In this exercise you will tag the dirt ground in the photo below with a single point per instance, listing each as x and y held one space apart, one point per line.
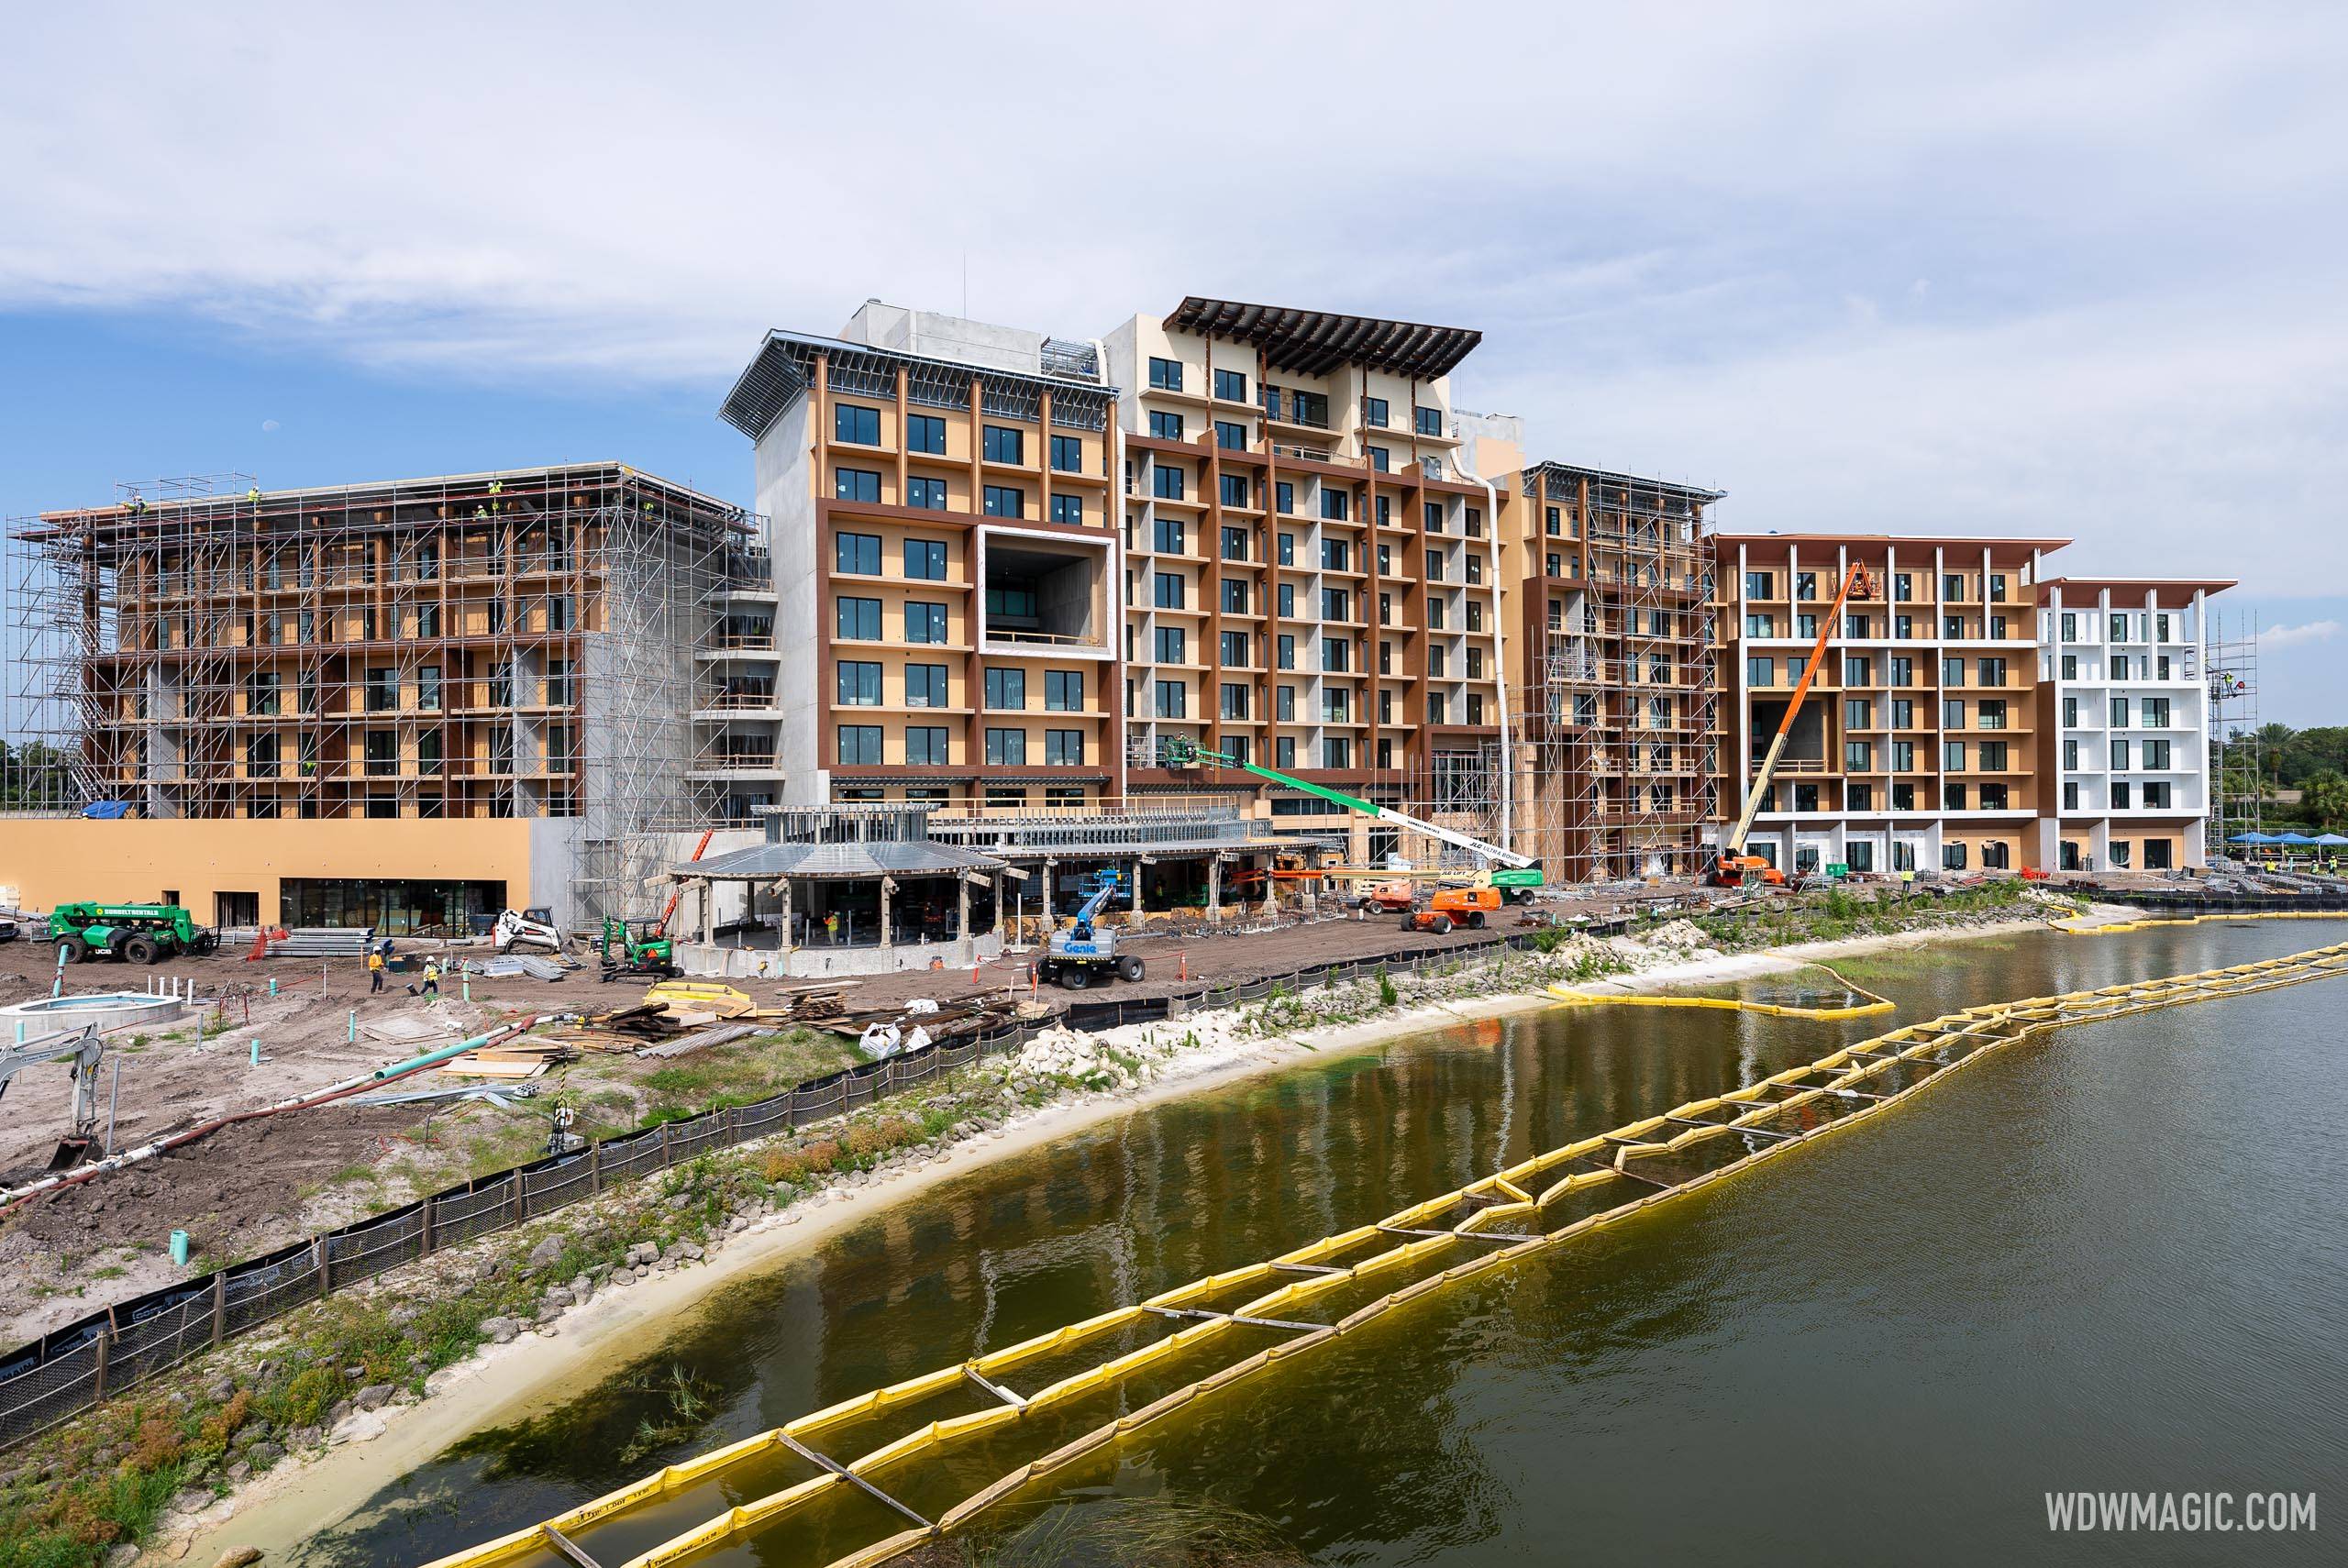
258 1185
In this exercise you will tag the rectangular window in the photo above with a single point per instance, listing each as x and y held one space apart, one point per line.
1287 650
1952 586
1173 699
1760 671
1336 554
428 687
1430 421
856 484
1858 755
1993 672
1903 713
1067 454
1064 748
1286 597
1234 596
1333 504
1007 690
856 424
2156 713
1381 460
859 683
1166 375
858 619
1805 585
2120 712
1231 437
1064 690
1236 649
926 559
1373 411
925 433
1953 757
1068 509
1858 713
1284 496
1005 500
926 745
1235 489
925 622
1993 756
1953 857
1952 714
382 691
1235 543
929 494
2156 755
2119 754
1903 757
1166 482
926 687
859 745
1231 386
1173 646
1169 590
1756 585
1234 700
1006 748
856 553
1164 427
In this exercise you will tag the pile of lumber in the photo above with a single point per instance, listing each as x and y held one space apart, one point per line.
523 1058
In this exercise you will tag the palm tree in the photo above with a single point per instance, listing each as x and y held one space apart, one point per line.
2327 799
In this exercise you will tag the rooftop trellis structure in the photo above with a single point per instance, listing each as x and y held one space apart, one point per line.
1620 720
519 644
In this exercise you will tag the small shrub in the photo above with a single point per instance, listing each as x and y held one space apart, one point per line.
821 1156
785 1165
1388 994
158 1444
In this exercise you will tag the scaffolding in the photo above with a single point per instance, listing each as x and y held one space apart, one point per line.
517 645
2237 762
1618 725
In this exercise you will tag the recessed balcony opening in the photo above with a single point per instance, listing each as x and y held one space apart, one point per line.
1042 595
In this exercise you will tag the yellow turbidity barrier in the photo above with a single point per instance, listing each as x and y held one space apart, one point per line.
1504 1223
1874 1003
2072 928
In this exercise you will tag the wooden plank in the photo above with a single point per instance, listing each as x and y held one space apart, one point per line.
568 1547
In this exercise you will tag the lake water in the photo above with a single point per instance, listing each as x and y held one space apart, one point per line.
2112 1257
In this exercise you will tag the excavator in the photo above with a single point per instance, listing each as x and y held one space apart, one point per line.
1732 867
81 1050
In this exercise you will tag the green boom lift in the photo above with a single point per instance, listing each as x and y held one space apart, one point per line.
1515 875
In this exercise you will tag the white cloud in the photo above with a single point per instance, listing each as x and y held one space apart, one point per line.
1696 236
2292 637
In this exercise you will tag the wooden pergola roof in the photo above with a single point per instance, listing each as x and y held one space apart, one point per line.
1314 342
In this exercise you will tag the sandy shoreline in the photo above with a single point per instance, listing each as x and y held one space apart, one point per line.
507 1383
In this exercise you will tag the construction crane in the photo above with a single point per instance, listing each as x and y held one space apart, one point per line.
1732 865
1518 873
80 1049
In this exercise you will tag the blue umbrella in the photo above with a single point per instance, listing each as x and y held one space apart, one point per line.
2290 838
2250 838
2330 838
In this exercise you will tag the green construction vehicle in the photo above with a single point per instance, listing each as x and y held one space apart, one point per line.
135 933
644 947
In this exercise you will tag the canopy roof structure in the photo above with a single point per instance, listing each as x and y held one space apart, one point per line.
1314 342
837 862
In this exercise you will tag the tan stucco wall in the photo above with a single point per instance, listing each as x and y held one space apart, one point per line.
49 860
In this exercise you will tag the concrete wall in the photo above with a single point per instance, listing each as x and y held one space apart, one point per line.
52 861
786 494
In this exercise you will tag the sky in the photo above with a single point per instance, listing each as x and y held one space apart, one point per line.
1967 269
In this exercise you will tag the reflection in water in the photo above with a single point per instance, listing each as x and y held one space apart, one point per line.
2083 1264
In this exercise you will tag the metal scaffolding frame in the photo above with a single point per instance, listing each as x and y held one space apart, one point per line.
512 645
2237 762
1619 720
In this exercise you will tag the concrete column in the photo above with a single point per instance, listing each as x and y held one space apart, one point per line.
786 944
708 912
1136 920
888 885
1050 865
962 907
998 904
1214 888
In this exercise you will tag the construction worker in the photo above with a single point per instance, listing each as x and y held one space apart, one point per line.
432 976
374 970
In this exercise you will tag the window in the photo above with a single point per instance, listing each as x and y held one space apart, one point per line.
925 622
2157 755
1858 713
1231 386
856 424
1173 646
856 484
1284 497
1234 596
1952 585
927 493
1756 585
1760 625
2119 628
1993 672
1430 421
1952 672
1067 454
1007 688
428 752
1991 714
926 559
2070 756
1760 672
1951 856
1435 566
1434 614
858 619
1068 509
1169 590
1994 854
262 695
1286 599
1064 690
1231 437
1952 714
1064 748
1337 604
1173 699
1373 411
1006 748
1235 489
1904 671
1166 480
1283 756
1997 589
1336 654
1287 650
1903 628
1336 752
1234 700
856 553
1903 713
2120 712
1381 460
1333 504
1859 672
1992 758
1859 853
382 691
1005 500
1903 758
859 745
2070 667
1336 554
2119 754
428 687
1952 755
1805 585
859 683
2156 713
1236 649
2119 796
1858 755
926 745
1235 543
1166 375
1164 427
1858 797
925 433
926 687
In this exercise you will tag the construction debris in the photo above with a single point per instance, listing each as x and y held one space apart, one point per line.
520 1058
